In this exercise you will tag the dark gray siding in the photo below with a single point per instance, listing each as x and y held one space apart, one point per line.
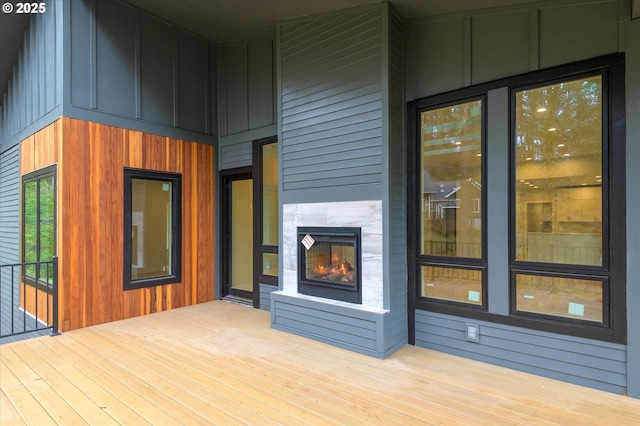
478 51
585 362
246 99
331 95
633 207
133 70
395 253
10 206
34 94
452 51
348 328
265 296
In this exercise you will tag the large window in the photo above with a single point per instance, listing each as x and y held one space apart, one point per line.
451 248
266 200
39 223
152 228
559 147
517 201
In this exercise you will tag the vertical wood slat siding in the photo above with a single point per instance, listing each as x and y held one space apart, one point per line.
323 144
91 160
584 362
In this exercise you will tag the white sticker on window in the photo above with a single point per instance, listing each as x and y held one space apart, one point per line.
474 296
576 309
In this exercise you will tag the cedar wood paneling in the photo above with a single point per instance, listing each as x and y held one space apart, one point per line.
91 159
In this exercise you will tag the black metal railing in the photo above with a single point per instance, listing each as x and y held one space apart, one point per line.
24 289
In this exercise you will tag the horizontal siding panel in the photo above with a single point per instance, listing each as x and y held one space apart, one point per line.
323 91
10 206
345 109
265 296
304 38
591 363
338 102
321 165
337 173
336 324
353 137
342 123
336 152
313 182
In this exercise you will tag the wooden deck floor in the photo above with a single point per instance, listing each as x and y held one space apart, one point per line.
219 363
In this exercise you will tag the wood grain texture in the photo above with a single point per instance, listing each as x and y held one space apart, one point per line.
219 363
91 159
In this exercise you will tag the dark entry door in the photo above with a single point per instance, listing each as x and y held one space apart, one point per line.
238 226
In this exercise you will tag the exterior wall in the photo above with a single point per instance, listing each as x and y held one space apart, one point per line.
246 99
538 38
341 94
448 52
9 226
633 206
91 159
10 206
596 364
130 69
34 94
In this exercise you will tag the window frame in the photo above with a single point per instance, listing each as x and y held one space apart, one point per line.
258 202
613 203
612 271
37 175
176 228
416 258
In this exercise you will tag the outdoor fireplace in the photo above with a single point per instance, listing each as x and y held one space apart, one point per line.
329 263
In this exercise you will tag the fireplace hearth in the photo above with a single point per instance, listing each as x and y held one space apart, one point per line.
329 263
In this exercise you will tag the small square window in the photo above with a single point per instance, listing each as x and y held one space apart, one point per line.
152 228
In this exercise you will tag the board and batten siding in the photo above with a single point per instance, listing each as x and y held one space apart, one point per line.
448 52
91 159
34 93
592 363
133 70
246 99
331 101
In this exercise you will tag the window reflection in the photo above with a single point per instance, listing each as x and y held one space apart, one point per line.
558 173
451 184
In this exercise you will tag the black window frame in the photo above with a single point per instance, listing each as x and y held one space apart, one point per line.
612 272
258 210
37 176
615 328
176 229
416 259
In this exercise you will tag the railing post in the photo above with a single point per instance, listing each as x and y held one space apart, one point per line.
55 331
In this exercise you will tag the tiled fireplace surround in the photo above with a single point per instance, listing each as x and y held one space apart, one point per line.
366 215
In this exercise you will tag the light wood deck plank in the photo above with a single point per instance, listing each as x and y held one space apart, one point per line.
218 363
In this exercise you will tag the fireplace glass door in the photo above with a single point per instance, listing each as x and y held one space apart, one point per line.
329 263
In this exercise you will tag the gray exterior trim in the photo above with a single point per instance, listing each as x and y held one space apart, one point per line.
592 363
633 208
